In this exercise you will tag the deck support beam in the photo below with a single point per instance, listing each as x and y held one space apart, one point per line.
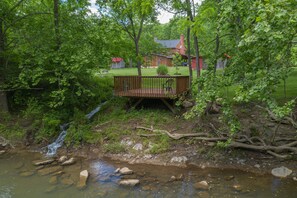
137 103
168 105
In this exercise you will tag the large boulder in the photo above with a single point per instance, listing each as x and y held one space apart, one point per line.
83 177
129 182
281 172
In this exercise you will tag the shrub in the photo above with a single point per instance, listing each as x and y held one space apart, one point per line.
162 70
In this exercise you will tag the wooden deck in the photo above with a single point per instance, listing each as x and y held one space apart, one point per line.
164 87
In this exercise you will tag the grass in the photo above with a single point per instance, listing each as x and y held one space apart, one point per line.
146 71
291 87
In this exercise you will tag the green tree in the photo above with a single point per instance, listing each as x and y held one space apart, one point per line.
40 53
131 16
260 41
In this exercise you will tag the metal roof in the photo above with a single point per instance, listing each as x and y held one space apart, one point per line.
168 43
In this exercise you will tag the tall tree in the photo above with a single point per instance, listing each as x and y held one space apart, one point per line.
131 16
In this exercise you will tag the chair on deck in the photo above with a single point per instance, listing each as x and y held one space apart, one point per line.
167 86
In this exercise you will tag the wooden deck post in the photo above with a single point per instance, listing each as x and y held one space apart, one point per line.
169 106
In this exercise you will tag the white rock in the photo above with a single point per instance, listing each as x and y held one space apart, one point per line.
2 152
138 147
125 171
62 159
181 159
147 156
83 177
68 162
203 185
127 142
257 166
129 182
281 172
117 170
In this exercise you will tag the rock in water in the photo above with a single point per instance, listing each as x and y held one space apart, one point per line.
62 159
68 162
19 165
27 173
203 194
83 177
117 170
43 162
129 182
53 180
281 172
203 185
51 189
67 181
237 187
125 171
49 170
2 152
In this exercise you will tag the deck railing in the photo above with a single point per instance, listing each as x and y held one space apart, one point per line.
150 86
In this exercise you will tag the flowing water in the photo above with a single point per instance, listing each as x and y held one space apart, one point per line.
53 147
154 181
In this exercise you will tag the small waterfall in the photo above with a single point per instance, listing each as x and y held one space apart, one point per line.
53 147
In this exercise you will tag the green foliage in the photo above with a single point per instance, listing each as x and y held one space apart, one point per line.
161 144
281 111
177 61
162 70
12 131
80 131
259 42
114 148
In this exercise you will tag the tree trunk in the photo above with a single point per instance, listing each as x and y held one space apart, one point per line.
56 24
3 97
189 54
137 57
130 63
216 52
196 44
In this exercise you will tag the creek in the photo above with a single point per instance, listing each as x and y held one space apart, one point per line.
19 178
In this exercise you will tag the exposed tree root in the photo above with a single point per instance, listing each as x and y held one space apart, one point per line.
278 155
173 136
285 120
240 141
